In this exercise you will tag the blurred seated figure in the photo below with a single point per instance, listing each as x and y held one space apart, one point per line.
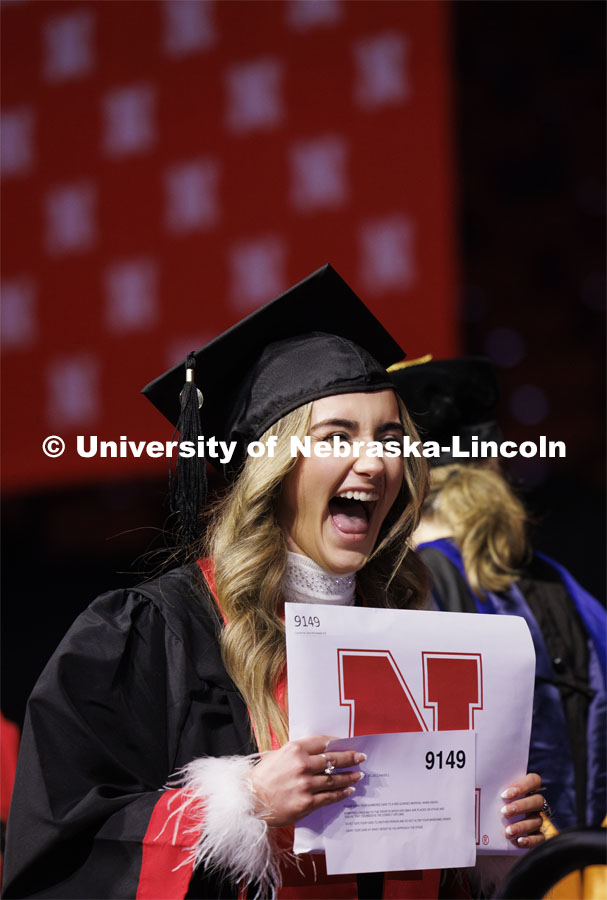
472 537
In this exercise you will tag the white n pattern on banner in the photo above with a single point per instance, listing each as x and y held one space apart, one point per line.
257 271
386 253
318 173
73 390
188 26
192 199
68 46
129 124
178 349
381 75
254 98
19 325
306 14
16 141
70 218
131 302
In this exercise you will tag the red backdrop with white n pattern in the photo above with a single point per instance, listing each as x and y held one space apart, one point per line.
167 167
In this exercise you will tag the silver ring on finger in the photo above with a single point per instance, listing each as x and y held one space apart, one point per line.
329 768
545 809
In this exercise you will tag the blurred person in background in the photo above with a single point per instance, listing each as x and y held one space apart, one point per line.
473 538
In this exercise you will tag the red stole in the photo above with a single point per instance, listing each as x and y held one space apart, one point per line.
308 877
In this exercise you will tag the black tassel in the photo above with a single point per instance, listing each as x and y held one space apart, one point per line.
188 483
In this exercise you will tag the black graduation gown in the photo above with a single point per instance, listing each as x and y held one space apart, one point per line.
135 690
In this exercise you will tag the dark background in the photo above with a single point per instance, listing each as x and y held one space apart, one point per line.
528 115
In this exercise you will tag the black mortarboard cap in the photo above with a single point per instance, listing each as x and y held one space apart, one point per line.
447 397
315 340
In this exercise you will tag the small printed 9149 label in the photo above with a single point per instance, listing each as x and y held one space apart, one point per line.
306 621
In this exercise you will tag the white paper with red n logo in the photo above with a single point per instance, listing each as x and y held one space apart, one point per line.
357 671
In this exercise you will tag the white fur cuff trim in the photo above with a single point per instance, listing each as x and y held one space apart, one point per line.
235 839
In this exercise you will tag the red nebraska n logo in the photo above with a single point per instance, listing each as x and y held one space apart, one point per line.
453 689
380 702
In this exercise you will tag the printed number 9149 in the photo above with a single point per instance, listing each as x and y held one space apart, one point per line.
310 621
452 759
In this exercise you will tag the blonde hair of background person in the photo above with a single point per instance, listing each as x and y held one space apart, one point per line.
477 507
247 544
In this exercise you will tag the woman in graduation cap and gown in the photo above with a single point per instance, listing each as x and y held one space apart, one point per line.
138 775
472 537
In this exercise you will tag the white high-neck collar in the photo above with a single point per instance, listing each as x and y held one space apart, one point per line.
307 582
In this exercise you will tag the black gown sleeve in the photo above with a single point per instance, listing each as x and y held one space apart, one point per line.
450 591
135 690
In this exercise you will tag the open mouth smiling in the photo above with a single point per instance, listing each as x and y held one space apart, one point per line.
351 512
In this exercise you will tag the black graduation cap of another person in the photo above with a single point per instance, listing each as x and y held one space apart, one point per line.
315 340
448 397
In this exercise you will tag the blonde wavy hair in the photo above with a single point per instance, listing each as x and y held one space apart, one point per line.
486 519
250 554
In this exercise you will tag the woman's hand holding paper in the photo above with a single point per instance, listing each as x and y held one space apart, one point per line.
291 782
521 800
